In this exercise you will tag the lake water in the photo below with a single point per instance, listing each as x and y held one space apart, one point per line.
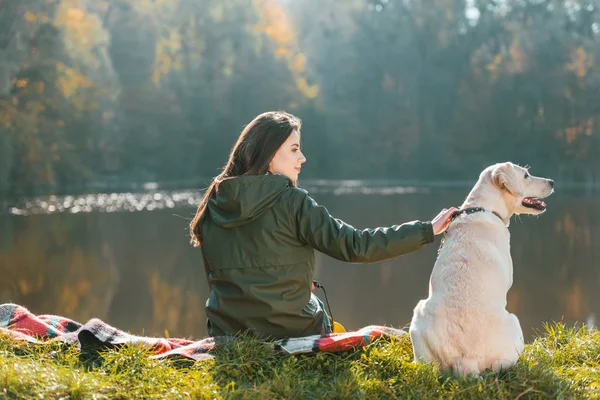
126 259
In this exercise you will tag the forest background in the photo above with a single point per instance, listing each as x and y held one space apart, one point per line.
99 94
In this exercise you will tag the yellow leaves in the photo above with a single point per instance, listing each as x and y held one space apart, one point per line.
495 64
571 133
586 128
283 52
29 17
163 66
275 24
298 63
22 83
494 67
581 62
512 61
36 18
77 28
309 91
167 56
70 80
75 14
82 29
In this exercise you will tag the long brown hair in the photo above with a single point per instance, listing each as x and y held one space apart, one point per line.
250 155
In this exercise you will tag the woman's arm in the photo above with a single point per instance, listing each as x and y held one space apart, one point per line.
339 240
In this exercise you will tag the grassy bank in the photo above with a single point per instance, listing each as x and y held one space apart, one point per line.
560 363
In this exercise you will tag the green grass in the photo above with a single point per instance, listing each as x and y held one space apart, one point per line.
561 362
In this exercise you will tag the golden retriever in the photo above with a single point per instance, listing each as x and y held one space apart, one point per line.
463 325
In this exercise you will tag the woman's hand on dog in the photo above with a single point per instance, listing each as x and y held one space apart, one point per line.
442 220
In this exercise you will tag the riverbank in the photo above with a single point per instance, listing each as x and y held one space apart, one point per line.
560 363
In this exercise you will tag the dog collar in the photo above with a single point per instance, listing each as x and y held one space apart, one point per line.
467 211
472 210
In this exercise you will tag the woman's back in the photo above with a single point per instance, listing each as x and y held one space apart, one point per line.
259 271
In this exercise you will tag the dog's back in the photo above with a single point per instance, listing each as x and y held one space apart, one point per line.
463 323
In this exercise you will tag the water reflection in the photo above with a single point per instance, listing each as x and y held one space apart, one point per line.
156 199
106 202
136 270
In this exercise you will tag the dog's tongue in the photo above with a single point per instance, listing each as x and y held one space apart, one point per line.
534 202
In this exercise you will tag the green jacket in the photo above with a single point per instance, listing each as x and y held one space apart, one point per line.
259 238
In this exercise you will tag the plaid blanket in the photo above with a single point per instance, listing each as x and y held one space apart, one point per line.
20 323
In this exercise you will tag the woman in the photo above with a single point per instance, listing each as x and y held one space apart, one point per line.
258 232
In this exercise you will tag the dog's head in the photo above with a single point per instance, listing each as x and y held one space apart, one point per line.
521 191
508 189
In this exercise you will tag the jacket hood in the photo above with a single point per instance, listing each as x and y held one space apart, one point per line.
242 199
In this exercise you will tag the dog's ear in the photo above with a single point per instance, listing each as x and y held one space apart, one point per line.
503 177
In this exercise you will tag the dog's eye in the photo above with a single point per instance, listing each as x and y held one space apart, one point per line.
527 175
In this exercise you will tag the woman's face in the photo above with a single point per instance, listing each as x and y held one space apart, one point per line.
289 159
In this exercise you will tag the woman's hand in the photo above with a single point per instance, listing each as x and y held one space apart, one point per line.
442 220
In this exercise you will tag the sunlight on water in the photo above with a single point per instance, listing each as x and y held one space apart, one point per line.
107 202
158 196
154 199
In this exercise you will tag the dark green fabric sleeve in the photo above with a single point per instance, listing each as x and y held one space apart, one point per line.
333 237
